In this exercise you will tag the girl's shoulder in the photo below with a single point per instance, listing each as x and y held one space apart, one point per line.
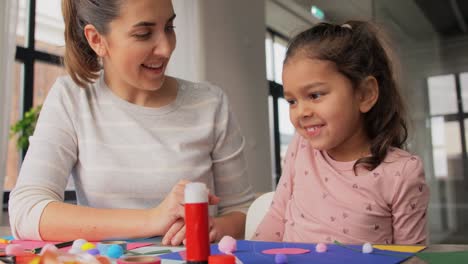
398 155
400 159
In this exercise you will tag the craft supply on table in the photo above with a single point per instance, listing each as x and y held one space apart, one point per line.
139 259
321 248
227 245
196 223
221 259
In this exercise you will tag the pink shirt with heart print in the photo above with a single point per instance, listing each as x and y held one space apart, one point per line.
319 199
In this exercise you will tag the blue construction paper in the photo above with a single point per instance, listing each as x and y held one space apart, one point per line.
250 252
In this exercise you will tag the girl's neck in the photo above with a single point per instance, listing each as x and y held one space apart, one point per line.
354 148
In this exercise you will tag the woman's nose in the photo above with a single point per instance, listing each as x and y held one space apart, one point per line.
164 46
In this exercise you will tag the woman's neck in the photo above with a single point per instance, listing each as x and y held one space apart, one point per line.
165 95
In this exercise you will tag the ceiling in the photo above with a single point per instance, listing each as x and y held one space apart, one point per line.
411 19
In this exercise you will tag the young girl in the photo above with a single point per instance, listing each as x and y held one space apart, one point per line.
345 176
128 135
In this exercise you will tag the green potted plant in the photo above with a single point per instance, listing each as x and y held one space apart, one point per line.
24 128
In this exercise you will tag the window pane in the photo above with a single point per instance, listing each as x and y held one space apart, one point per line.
21 26
44 77
442 95
279 48
464 91
269 57
286 129
446 144
13 155
49 27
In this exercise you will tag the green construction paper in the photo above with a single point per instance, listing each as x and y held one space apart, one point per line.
454 257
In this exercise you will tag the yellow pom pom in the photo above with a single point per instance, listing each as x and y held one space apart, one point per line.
35 260
87 246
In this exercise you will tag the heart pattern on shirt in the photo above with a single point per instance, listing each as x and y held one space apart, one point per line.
355 186
376 174
345 215
376 227
332 218
369 207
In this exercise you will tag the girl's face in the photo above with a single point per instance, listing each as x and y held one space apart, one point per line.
139 45
324 107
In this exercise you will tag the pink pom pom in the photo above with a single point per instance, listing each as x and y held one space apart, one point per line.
227 245
14 250
48 247
321 247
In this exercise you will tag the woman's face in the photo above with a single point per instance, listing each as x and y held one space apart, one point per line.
139 44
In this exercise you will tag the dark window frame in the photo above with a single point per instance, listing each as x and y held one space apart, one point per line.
276 92
27 56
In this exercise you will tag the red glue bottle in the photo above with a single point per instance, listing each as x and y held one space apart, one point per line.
196 223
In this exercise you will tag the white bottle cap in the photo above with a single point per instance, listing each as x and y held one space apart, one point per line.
196 192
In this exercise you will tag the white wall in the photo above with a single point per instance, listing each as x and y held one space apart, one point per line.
223 42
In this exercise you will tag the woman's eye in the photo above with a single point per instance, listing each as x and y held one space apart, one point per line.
143 35
170 28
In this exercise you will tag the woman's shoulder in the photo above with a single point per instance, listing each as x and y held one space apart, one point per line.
201 89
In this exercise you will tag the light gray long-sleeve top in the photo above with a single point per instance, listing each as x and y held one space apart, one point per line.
122 155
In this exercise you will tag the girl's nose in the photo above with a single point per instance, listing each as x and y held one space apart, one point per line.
305 111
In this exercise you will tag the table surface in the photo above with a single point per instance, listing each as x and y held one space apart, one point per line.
437 248
5 230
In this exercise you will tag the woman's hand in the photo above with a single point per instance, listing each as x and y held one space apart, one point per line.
176 232
170 209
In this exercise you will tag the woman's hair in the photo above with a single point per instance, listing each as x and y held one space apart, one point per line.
81 62
357 52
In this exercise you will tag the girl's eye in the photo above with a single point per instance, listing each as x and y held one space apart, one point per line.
143 35
291 102
315 95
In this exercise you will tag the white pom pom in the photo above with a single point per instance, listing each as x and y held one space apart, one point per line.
367 248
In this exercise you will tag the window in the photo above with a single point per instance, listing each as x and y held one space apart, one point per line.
448 95
282 129
40 45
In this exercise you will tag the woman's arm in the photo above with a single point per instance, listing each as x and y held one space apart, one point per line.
61 221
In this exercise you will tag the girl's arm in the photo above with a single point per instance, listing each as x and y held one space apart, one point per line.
410 204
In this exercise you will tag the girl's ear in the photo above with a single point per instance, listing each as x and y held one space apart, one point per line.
368 93
95 40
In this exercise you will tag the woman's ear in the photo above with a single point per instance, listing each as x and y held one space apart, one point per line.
368 93
95 40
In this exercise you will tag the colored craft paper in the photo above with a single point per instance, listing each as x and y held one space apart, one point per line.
32 244
251 252
400 248
444 257
286 251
